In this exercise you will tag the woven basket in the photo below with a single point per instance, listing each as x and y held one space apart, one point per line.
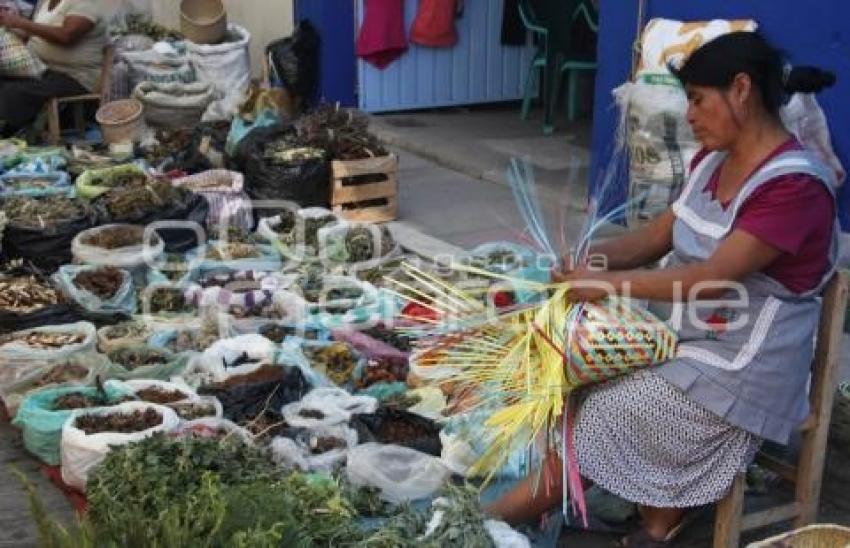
813 536
839 428
203 21
120 121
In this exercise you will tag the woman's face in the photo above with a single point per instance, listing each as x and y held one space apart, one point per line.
712 117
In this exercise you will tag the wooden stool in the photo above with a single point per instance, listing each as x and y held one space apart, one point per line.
54 106
730 520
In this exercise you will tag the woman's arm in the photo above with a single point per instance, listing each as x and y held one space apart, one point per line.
739 256
72 30
639 248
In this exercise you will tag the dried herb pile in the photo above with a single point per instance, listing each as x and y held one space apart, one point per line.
343 133
103 282
26 294
41 213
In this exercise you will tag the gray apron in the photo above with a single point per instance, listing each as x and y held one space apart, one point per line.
746 360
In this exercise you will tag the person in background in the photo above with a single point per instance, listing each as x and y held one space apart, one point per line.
70 37
755 227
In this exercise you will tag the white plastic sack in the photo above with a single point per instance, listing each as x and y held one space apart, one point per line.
19 355
400 473
298 453
804 117
152 66
81 452
666 41
660 143
432 402
123 301
335 405
208 367
457 454
227 66
211 427
125 257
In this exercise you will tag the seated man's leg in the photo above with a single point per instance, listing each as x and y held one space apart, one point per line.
22 99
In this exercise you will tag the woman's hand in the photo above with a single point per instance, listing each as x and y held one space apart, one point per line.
586 285
10 20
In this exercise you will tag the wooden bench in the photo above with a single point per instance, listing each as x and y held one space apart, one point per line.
54 107
731 520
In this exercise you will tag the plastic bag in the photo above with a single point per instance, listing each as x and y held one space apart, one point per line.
294 61
93 183
804 117
379 246
18 354
327 407
432 402
266 259
210 367
660 142
187 408
307 453
80 452
31 184
41 425
227 66
331 379
50 247
305 182
114 337
210 427
244 399
391 425
240 127
223 189
130 257
123 301
400 473
168 365
75 371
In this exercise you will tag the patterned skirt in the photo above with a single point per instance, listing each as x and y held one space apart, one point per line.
642 439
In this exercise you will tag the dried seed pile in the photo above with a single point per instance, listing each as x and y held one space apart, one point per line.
63 373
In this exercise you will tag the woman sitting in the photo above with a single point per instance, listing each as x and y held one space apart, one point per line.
69 36
751 244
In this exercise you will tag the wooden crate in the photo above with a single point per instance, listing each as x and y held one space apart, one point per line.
347 189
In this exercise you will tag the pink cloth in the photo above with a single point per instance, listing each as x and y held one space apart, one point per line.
382 39
434 26
793 213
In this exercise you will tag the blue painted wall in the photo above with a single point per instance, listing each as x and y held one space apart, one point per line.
334 19
816 33
479 69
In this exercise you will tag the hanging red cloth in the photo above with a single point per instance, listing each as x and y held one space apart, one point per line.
434 26
382 39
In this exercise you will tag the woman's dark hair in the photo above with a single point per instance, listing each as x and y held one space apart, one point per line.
718 62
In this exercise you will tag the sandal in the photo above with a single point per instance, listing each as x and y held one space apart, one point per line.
642 539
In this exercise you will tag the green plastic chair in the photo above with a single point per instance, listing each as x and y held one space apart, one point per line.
572 66
538 62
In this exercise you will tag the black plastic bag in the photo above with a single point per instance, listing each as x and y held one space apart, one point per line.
193 207
58 314
389 425
306 182
295 62
244 402
47 248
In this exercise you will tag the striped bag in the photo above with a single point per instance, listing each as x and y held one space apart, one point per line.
16 60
